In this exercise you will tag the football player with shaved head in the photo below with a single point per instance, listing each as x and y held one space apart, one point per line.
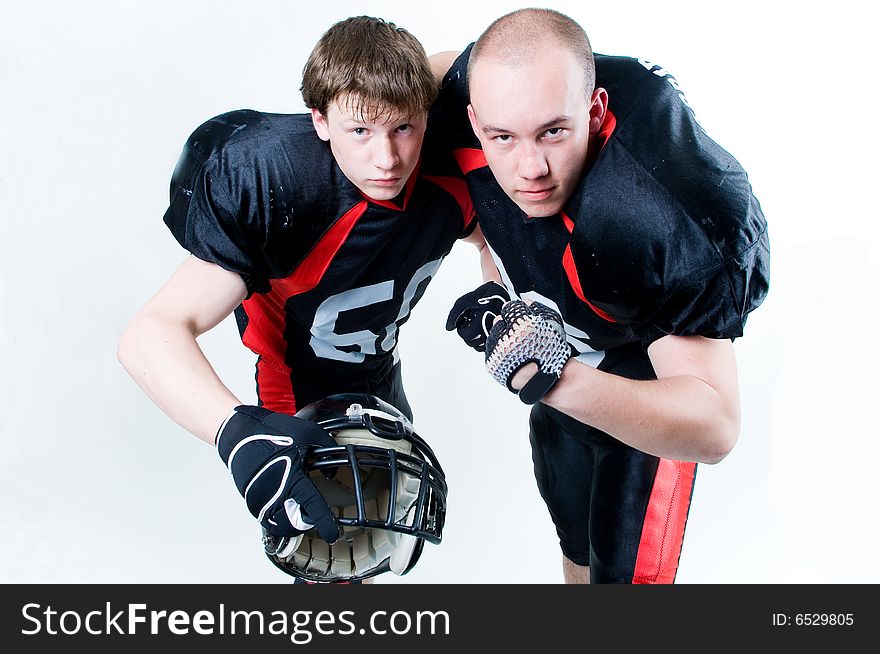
633 250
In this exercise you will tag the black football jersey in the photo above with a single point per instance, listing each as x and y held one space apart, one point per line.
331 274
661 236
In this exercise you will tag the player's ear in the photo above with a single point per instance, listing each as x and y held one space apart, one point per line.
473 118
319 121
598 108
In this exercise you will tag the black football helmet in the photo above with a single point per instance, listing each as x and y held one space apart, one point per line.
383 483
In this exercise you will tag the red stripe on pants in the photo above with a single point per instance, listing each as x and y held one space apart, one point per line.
663 529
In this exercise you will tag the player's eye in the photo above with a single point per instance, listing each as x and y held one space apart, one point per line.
554 131
405 128
359 131
503 138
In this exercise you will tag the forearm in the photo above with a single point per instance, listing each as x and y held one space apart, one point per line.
487 263
487 266
163 357
680 417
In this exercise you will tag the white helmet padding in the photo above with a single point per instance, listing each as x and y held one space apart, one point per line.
382 482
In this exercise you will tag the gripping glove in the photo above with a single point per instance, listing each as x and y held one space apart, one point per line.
527 334
264 452
472 314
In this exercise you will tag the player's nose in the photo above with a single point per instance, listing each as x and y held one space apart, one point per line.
385 154
531 162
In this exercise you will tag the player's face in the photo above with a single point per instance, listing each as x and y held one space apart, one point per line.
376 155
534 122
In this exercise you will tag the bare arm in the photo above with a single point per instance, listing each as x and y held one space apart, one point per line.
487 264
159 349
690 413
442 62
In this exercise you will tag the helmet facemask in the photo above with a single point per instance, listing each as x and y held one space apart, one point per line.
384 485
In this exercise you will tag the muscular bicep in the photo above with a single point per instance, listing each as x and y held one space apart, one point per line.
709 360
198 294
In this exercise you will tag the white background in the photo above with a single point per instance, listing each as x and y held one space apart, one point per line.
97 485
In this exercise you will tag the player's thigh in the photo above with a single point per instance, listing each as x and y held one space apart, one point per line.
639 510
563 470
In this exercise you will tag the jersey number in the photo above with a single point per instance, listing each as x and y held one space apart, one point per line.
328 344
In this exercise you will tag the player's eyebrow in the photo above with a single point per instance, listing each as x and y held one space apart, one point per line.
563 118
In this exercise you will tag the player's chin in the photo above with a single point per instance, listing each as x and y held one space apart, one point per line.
382 192
540 209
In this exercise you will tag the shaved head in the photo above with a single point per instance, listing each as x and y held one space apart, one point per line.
534 106
514 39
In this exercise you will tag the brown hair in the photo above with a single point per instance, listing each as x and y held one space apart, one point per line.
513 36
377 66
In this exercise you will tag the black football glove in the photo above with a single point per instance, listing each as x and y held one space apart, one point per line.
264 452
472 314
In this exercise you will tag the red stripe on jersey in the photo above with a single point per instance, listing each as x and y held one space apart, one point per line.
572 274
458 189
264 334
606 129
609 124
663 529
274 388
308 273
573 279
469 159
